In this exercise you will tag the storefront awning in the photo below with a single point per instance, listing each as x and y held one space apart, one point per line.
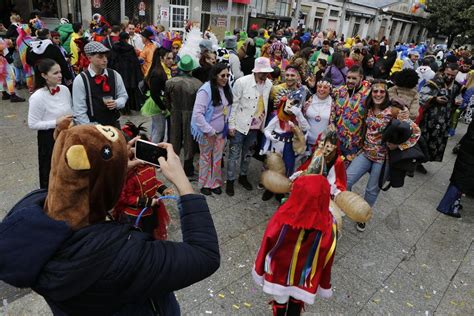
241 1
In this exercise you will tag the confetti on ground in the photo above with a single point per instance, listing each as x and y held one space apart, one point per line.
241 265
391 291
427 296
10 116
236 306
377 300
221 295
247 304
454 303
231 292
409 304
208 312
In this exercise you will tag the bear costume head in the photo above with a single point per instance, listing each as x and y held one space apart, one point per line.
88 170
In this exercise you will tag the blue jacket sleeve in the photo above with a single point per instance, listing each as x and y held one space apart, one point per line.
164 266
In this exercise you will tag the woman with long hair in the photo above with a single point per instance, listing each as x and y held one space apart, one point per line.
336 73
368 63
207 60
49 106
380 114
160 71
209 127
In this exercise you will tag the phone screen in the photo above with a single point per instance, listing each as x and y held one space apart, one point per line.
149 152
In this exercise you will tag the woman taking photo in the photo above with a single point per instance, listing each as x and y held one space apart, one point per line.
49 105
374 151
160 71
209 127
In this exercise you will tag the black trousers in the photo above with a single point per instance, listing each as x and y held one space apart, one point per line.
45 152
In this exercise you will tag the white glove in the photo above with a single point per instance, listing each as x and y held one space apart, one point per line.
296 111
270 136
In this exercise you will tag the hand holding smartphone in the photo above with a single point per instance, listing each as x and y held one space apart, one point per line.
149 152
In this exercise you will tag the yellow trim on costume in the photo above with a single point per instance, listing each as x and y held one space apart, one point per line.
295 256
315 262
333 246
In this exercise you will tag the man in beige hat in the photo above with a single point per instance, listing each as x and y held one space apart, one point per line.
249 111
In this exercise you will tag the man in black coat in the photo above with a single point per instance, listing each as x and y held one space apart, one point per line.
42 48
66 251
124 60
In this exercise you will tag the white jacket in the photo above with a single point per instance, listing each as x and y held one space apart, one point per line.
245 102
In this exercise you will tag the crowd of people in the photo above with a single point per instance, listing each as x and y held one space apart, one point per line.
389 108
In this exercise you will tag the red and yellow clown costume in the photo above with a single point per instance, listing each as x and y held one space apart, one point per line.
7 75
298 247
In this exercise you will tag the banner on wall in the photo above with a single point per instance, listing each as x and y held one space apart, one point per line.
164 14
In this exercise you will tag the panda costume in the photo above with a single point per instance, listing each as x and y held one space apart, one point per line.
222 56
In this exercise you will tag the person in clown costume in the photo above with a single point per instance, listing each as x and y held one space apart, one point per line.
7 76
295 258
281 129
278 55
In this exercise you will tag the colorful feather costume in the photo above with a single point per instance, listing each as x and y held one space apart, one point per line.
23 42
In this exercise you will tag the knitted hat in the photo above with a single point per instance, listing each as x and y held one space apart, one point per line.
186 63
259 42
205 44
230 42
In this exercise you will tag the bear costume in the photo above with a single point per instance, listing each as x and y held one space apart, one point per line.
58 242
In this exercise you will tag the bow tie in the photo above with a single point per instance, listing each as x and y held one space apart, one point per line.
102 79
55 90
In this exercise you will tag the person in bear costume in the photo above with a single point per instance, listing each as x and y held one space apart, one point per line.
58 242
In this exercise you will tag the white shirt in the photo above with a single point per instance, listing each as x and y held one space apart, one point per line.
318 114
136 41
45 108
79 96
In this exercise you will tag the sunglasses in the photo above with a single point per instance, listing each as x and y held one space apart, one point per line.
224 75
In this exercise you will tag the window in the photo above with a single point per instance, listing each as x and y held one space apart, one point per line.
320 12
317 24
179 2
334 13
355 30
347 18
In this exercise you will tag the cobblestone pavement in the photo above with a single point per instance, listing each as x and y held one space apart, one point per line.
410 260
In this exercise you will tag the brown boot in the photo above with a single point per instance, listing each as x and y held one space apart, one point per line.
278 309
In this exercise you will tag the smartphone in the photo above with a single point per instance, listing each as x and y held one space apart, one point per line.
149 152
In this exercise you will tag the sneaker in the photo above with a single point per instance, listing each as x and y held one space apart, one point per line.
421 169
206 191
360 227
245 183
217 190
5 96
229 188
14 99
267 195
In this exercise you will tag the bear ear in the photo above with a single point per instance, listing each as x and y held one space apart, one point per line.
65 124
